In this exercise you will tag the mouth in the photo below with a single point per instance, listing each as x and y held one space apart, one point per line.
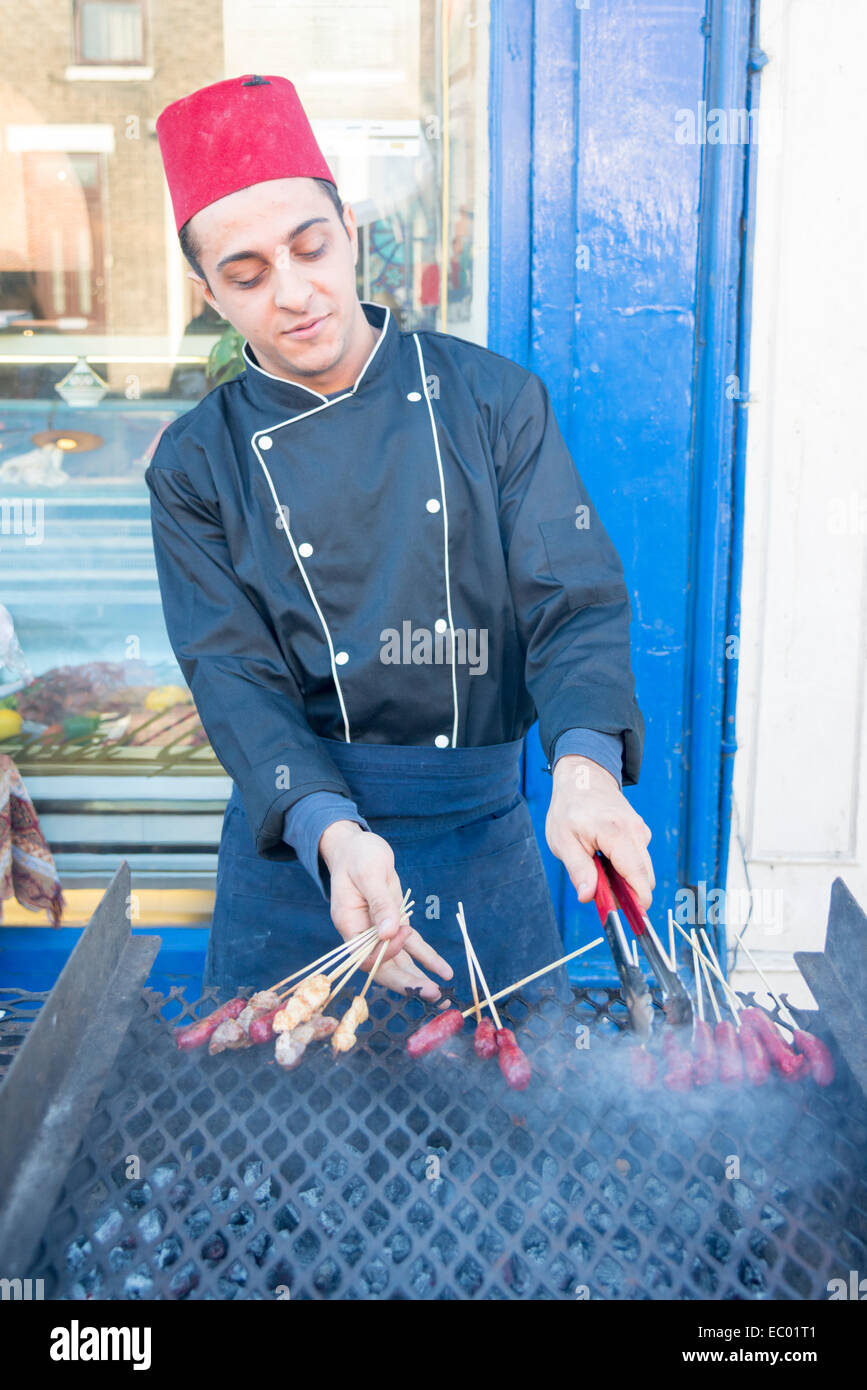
308 329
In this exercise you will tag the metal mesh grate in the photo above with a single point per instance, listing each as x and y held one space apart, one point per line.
18 1010
320 1182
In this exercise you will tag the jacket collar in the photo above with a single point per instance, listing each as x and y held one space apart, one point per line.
270 392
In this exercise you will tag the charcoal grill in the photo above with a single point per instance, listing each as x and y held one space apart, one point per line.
378 1177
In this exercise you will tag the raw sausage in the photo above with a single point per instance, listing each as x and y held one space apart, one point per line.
485 1039
789 1063
434 1033
705 1061
731 1063
679 1071
197 1034
513 1063
819 1059
757 1063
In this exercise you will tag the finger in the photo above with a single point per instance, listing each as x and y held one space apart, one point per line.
632 862
580 865
400 974
425 954
395 946
384 907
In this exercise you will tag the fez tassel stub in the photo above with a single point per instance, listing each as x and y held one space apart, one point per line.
231 135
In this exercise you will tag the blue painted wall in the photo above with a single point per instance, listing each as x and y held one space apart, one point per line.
611 242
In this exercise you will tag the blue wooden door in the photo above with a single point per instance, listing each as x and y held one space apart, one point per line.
617 253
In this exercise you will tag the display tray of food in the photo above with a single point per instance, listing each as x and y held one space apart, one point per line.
104 716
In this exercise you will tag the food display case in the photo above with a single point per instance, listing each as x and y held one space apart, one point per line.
108 740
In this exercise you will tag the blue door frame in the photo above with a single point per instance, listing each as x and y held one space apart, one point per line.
622 277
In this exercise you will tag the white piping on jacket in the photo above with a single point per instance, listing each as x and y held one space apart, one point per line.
282 521
426 396
279 511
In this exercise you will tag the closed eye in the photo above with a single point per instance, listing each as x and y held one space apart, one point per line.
303 255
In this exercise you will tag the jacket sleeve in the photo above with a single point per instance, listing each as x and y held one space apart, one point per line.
567 584
248 700
605 749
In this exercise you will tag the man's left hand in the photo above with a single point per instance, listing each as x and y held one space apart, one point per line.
589 812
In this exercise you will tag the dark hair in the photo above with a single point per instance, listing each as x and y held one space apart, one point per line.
190 246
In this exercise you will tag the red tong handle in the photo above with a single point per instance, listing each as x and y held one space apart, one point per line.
632 909
603 897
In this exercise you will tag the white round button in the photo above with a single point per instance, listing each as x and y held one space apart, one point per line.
413 396
432 504
441 625
305 549
265 442
442 740
341 658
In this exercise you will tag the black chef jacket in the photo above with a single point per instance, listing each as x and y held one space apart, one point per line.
295 534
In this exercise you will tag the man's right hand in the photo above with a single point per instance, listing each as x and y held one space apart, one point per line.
365 892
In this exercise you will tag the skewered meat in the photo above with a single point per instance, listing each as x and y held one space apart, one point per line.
513 1062
434 1033
197 1034
229 1035
705 1063
485 1039
262 1028
323 1026
643 1065
731 1063
679 1069
307 1000
267 1001
789 1063
820 1063
343 1038
290 1047
757 1063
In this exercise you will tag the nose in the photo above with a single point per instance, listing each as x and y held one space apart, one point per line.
292 290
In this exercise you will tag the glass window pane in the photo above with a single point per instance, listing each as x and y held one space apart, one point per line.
104 339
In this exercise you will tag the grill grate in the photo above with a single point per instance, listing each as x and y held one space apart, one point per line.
254 1183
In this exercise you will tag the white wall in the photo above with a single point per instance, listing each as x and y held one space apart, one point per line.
801 765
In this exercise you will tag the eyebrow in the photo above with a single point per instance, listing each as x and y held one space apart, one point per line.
257 255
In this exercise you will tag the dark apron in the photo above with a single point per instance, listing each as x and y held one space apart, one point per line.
460 830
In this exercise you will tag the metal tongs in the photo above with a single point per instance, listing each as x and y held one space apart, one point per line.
636 994
676 1002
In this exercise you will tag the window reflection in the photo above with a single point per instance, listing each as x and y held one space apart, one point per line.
104 339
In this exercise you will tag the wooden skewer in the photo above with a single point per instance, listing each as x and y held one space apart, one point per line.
739 941
472 974
334 952
510 989
731 998
348 970
470 952
710 990
696 970
356 961
376 966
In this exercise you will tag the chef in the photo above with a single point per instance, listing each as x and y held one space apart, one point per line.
378 566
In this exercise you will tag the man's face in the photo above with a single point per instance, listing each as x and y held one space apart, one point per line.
281 270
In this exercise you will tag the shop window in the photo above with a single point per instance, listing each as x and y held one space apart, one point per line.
109 31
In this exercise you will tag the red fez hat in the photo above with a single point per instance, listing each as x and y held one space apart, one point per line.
233 134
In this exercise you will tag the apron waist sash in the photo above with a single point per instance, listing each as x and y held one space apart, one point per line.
438 788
